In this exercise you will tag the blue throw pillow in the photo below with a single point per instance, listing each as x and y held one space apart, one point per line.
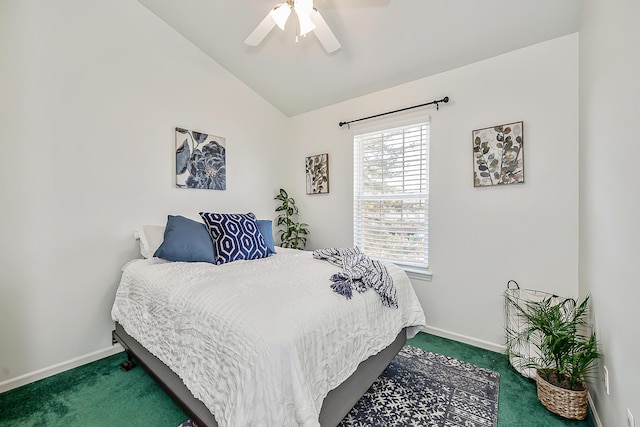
266 229
235 236
186 240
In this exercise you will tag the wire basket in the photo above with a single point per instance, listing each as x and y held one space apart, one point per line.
522 352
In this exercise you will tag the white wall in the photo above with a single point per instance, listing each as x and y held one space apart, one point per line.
479 237
91 94
609 201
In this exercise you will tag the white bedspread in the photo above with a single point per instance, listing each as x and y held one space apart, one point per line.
260 342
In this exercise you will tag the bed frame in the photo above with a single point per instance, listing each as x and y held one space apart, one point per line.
336 405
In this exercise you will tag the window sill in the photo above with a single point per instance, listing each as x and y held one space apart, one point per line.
419 274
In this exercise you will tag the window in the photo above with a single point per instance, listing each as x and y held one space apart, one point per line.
391 195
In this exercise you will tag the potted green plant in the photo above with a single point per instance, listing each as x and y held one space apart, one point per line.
558 329
293 233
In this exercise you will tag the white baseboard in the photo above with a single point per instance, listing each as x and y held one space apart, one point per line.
596 418
465 339
58 368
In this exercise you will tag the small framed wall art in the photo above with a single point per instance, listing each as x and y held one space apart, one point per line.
317 172
201 160
498 155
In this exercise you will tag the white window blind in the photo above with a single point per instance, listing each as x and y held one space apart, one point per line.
391 195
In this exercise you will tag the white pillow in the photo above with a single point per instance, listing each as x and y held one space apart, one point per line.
151 237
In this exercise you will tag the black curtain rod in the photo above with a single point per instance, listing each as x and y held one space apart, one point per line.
445 100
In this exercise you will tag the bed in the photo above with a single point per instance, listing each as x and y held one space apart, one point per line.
260 341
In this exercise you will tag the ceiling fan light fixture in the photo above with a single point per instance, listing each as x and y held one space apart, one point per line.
280 14
306 25
303 7
309 19
303 10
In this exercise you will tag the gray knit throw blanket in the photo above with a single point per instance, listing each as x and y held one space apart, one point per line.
359 272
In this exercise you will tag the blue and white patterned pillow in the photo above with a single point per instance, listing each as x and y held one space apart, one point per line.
235 236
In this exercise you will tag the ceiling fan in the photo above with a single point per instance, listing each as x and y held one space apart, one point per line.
309 19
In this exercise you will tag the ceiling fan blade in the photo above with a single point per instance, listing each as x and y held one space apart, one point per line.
324 33
261 31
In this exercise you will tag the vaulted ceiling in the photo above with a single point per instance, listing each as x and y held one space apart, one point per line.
384 42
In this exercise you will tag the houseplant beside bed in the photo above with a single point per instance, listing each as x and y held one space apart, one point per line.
293 235
559 330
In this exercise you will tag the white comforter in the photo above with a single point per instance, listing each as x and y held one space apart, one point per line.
261 342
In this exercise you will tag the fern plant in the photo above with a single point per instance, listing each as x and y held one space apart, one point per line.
557 330
293 234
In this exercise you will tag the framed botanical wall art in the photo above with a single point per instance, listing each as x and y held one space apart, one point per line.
317 172
498 155
201 160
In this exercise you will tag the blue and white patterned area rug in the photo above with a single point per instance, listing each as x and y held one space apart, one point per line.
425 389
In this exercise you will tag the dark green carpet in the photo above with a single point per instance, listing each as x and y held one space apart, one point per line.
100 394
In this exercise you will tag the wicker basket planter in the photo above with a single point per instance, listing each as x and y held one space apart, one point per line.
569 404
